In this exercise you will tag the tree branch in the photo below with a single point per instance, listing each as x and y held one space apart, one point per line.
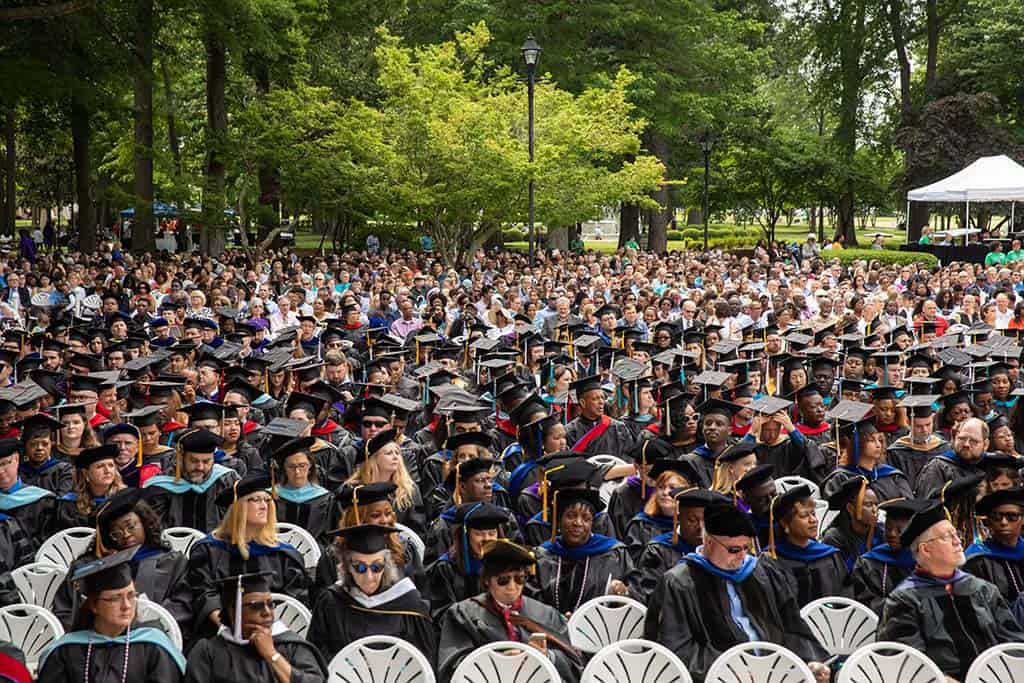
11 14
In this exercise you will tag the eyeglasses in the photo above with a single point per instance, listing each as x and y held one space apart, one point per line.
261 605
362 567
124 532
947 537
375 423
298 467
1004 516
259 500
732 549
128 598
505 579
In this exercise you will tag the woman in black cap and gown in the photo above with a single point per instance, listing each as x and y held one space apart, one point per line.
301 499
96 479
38 466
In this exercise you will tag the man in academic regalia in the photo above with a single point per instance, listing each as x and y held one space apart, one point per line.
877 572
29 505
189 497
593 432
716 425
948 615
969 447
251 644
720 596
909 454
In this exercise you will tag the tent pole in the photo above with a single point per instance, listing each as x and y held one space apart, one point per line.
1013 205
967 222
907 226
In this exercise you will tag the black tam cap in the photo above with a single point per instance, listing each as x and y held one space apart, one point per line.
90 456
366 538
755 477
922 521
502 555
724 519
365 494
251 484
481 516
200 441
109 573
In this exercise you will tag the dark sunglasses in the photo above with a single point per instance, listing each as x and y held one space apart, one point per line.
375 423
262 605
362 567
504 580
733 549
1004 516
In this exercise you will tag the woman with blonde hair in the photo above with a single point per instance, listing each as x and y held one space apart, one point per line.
380 460
96 478
245 542
732 464
658 512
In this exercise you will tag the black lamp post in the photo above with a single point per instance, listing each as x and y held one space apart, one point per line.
531 54
707 143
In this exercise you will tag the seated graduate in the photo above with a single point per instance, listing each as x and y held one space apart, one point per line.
630 497
380 460
716 427
371 597
301 499
210 416
16 548
131 461
543 435
909 454
465 447
999 559
854 530
251 645
96 479
455 575
502 612
28 504
878 571
244 543
947 614
106 645
817 569
754 493
38 466
366 504
781 444
720 596
532 500
656 517
732 464
572 472
577 564
862 448
663 552
125 522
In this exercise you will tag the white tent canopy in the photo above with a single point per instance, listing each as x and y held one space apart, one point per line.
989 179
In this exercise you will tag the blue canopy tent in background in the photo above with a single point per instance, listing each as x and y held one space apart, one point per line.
160 210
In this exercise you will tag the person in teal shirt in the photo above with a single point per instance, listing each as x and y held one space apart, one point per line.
996 257
1016 253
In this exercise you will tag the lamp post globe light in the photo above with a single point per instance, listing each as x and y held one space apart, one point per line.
531 55
707 143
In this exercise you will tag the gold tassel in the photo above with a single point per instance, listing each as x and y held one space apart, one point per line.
643 470
138 456
266 381
101 549
273 478
417 341
554 515
355 502
543 494
458 477
771 528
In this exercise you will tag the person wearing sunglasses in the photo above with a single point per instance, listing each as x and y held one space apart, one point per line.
502 612
945 613
999 559
371 596
720 595
251 644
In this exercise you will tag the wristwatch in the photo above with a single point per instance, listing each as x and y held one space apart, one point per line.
277 656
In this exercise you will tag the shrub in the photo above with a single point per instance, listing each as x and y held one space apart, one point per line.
885 256
514 235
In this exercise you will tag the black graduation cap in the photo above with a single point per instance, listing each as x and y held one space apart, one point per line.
38 424
954 399
902 508
200 441
683 468
469 438
145 417
919 406
91 456
232 588
564 498
112 572
366 539
401 407
848 492
590 383
740 449
120 504
711 378
847 384
770 405
1011 496
783 503
715 406
365 494
923 520
696 497
204 410
371 446
86 360
291 447
755 477
502 554
725 519
918 386
252 483
242 388
297 400
481 516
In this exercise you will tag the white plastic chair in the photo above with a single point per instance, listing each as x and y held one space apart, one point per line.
413 539
292 614
841 625
604 620
783 484
30 628
64 547
997 665
824 515
609 485
381 659
890 662
302 540
635 661
149 611
182 538
758 661
38 582
505 661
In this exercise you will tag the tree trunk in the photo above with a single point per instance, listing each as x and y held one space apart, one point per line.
81 135
852 26
172 119
627 232
629 219
657 237
211 238
144 228
270 182
558 238
694 217
10 175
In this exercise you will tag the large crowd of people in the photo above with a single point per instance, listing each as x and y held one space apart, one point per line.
784 428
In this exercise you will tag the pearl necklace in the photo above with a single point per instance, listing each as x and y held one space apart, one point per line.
558 580
124 664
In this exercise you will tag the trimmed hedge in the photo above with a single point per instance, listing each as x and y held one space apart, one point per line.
885 256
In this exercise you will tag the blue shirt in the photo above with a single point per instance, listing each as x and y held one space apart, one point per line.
738 615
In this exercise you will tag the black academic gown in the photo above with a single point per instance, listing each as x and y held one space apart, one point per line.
16 549
447 585
415 515
641 529
972 617
817 570
65 514
468 625
689 613
941 469
877 572
339 618
791 456
215 660
309 508
850 544
326 573
567 577
211 560
32 507
624 504
54 475
658 557
440 534
616 439
999 565
910 458
147 663
192 508
887 482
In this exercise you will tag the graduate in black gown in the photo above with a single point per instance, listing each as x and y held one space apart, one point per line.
16 549
371 597
947 614
502 612
965 458
754 493
656 517
244 543
189 498
878 571
126 522
29 505
854 530
576 564
909 454
474 483
630 496
565 474
96 478
455 575
300 498
38 465
251 645
380 460
666 550
694 609
592 432
716 427
817 569
781 444
999 559
862 452
106 645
